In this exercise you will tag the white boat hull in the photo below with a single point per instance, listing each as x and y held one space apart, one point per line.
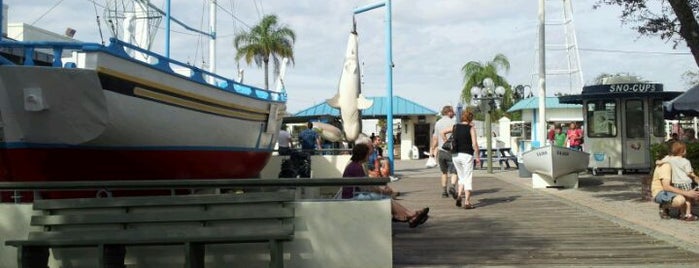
554 161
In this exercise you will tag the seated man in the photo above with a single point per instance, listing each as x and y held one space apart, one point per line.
668 196
377 165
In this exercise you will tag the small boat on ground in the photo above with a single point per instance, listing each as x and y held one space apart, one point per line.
554 161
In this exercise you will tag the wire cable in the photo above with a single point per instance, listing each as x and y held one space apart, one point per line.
47 12
99 26
603 50
233 15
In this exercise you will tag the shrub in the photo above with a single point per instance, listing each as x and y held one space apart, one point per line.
660 150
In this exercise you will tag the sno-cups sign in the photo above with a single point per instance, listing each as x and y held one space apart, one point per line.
632 88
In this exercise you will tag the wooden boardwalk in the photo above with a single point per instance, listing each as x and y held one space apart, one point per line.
515 226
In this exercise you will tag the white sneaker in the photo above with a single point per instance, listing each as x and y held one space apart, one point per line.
394 179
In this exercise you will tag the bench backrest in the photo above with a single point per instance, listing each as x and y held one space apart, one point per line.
201 217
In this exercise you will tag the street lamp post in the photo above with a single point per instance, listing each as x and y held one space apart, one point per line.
459 109
487 104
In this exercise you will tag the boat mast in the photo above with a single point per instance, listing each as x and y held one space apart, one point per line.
167 28
541 126
212 41
2 9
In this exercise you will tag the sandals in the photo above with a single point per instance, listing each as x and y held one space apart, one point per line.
460 202
664 213
420 218
689 217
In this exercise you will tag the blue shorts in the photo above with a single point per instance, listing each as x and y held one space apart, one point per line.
368 196
664 197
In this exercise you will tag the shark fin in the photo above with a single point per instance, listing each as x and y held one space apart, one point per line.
363 103
335 101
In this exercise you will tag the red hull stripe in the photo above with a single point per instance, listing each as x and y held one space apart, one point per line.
52 164
24 145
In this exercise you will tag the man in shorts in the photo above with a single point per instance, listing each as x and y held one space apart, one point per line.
443 157
666 195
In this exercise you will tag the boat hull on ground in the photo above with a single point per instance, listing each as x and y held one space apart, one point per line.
554 161
116 118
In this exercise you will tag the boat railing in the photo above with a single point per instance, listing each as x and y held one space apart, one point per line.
105 188
118 48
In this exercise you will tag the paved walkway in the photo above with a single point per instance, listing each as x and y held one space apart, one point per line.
602 223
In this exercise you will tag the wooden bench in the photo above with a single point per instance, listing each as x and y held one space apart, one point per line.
111 224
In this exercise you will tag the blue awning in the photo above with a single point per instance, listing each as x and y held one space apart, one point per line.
533 104
401 107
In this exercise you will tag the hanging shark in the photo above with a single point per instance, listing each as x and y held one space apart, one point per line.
328 132
349 98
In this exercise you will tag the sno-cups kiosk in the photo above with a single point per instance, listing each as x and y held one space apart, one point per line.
621 121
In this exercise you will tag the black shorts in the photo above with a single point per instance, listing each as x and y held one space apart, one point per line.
444 160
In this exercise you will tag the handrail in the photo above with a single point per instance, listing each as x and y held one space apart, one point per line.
189 184
116 48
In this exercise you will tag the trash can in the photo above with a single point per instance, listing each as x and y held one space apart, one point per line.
523 172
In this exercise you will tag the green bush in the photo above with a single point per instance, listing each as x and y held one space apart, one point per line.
660 150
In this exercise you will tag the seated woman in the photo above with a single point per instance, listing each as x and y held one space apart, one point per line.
668 196
360 154
682 175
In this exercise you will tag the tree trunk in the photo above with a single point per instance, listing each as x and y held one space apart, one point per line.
266 61
689 28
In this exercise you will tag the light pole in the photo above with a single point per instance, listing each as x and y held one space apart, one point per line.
520 92
459 109
487 104
389 73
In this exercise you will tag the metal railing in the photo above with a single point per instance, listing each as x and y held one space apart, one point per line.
118 48
172 185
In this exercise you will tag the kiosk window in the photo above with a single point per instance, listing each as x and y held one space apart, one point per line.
601 118
657 121
634 119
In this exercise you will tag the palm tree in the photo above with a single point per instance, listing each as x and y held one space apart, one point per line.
264 41
475 72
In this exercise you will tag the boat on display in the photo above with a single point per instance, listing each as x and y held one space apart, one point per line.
87 111
554 161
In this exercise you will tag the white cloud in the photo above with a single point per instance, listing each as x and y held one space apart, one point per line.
432 39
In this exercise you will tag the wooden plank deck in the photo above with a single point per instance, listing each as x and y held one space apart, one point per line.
514 226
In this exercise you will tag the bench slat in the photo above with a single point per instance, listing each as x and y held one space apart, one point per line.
156 217
149 201
163 236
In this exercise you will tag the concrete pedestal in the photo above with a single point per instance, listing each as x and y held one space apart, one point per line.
565 181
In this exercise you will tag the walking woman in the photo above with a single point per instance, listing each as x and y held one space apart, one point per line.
463 156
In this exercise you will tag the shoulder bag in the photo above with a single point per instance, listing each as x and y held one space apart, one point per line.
450 144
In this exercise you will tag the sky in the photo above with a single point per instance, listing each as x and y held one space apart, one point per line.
432 40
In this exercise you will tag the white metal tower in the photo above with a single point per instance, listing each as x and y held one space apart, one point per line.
563 68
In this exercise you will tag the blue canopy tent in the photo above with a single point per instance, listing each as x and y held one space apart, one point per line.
684 105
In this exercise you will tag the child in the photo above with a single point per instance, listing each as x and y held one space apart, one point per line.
559 137
682 174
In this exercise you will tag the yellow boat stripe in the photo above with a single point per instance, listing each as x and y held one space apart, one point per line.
138 91
178 91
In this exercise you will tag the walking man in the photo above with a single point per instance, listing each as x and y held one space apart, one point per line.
310 140
444 157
